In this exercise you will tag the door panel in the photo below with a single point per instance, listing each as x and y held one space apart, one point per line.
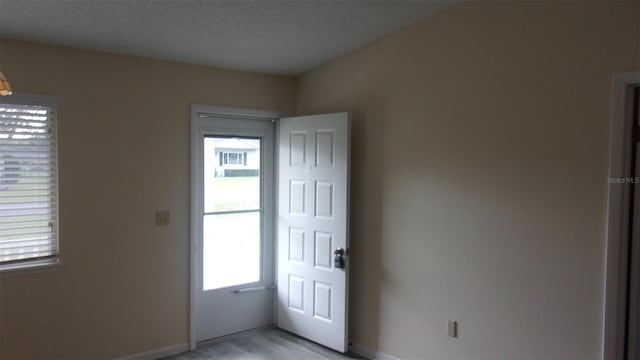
312 222
231 250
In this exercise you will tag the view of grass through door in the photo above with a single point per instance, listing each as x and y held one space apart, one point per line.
232 212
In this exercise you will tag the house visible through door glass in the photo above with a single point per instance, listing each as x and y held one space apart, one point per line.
232 212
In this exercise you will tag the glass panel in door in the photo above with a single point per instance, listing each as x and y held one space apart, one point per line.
232 234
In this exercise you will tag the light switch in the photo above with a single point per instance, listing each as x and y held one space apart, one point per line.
162 218
452 328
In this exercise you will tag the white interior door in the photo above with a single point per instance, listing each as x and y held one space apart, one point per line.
313 169
232 224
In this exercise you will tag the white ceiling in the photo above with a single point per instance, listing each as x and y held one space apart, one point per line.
266 36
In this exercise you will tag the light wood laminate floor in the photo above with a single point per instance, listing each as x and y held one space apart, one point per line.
269 343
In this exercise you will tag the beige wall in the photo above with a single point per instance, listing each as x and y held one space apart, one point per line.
124 153
480 154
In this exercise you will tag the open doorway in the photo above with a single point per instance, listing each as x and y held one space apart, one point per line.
632 301
232 219
622 281
269 224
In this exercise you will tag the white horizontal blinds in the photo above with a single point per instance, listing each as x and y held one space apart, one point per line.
28 181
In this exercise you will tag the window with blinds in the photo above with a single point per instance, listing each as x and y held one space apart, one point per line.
28 180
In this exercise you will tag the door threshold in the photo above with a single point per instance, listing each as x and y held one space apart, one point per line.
234 336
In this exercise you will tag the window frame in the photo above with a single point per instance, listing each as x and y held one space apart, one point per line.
43 263
239 158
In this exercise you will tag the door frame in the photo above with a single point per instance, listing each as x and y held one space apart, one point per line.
197 110
618 218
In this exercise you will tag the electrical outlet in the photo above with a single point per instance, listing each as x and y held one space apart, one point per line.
162 218
452 328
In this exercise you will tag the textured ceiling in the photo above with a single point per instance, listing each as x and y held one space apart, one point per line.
278 37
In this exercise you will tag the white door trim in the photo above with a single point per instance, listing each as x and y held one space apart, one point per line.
617 218
198 112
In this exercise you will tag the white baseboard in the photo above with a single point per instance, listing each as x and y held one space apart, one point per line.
370 353
158 353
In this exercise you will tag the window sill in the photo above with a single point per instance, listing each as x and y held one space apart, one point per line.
28 267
